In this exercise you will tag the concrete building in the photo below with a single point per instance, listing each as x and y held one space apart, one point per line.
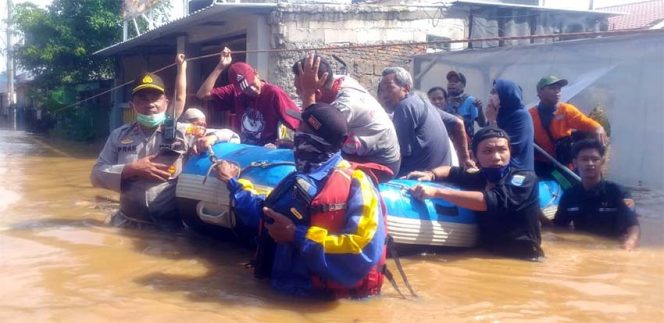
275 34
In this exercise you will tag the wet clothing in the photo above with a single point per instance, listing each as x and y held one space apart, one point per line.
256 119
335 251
510 225
141 200
422 135
606 209
372 137
464 106
561 120
515 120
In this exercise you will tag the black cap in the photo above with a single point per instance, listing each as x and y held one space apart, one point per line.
148 81
327 122
486 133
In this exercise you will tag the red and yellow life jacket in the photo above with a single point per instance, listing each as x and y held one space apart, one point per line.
328 209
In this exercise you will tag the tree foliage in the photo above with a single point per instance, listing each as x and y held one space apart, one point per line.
59 41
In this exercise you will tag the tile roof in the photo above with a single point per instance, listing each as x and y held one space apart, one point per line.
639 15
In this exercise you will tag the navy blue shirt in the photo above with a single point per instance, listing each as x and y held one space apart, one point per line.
606 209
510 225
422 135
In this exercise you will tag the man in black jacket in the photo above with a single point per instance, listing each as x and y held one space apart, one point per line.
506 199
596 205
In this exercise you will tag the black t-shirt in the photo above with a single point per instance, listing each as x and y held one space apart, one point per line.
605 209
511 222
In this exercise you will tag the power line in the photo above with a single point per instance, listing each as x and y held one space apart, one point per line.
350 47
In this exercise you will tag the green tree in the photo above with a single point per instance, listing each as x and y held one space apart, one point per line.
59 42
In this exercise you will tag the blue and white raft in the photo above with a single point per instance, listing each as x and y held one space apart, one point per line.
204 200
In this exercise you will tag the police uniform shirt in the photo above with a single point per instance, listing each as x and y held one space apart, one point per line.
605 209
512 215
140 198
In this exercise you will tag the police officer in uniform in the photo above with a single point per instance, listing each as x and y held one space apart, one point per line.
142 159
596 205
506 199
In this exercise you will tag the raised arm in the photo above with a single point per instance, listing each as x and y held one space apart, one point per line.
481 119
180 86
225 59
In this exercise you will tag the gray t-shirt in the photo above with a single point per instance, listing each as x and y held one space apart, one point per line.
372 136
449 119
422 135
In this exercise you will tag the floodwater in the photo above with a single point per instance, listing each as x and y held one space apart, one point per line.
61 263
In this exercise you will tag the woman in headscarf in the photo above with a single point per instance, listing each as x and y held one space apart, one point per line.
506 110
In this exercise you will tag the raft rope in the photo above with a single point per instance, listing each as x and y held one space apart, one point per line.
396 44
258 164
388 274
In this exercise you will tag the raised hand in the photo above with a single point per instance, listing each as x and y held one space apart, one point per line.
180 60
308 78
225 58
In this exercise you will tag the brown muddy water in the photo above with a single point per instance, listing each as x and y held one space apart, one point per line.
60 262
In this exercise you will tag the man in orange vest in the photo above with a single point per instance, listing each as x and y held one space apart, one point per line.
554 122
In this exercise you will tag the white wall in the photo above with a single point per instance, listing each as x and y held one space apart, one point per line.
631 92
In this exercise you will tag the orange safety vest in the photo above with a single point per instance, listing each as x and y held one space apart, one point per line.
565 119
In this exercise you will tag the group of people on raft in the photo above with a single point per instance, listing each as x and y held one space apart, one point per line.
322 230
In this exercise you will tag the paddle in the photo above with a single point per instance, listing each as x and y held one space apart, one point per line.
558 165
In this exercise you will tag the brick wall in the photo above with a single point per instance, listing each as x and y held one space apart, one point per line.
363 64
299 27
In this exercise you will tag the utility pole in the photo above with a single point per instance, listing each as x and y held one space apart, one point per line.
11 97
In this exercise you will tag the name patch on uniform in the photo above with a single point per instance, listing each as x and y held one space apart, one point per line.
572 209
517 180
124 149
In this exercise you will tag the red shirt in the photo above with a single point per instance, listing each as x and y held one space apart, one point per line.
257 119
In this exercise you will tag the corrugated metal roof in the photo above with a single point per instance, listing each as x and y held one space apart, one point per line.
639 15
177 25
510 5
